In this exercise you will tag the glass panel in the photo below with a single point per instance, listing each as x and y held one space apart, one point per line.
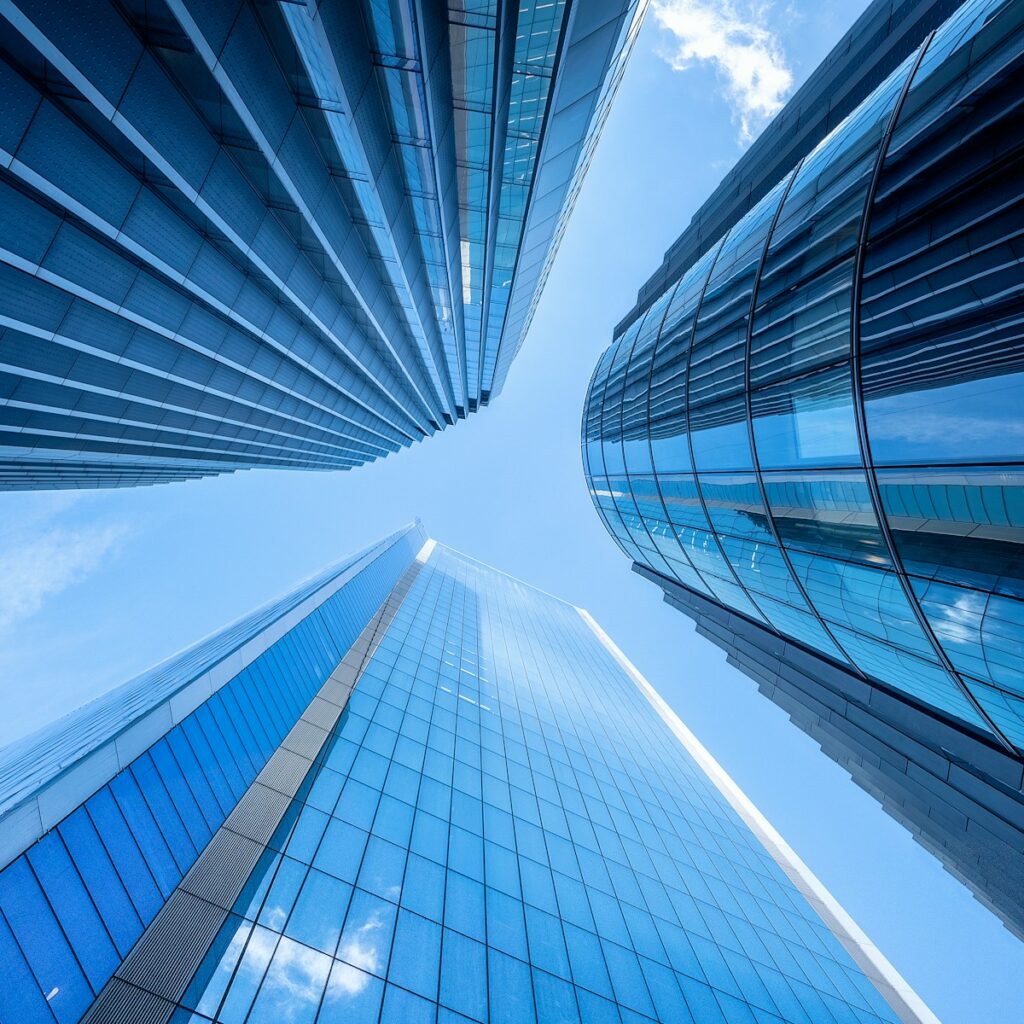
803 315
964 525
982 634
761 567
718 360
924 405
807 422
800 625
927 681
668 384
866 600
611 415
826 512
735 506
537 765
733 596
682 501
636 391
1006 710
293 985
721 436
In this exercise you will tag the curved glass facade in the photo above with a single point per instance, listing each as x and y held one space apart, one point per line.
818 425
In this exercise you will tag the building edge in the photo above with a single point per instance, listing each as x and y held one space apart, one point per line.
894 988
66 779
960 796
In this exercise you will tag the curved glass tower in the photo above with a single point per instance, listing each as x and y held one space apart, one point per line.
817 428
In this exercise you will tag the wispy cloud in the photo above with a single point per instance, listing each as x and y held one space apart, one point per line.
39 563
736 40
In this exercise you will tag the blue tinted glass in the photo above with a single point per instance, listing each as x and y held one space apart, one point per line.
721 437
43 943
982 634
866 600
807 422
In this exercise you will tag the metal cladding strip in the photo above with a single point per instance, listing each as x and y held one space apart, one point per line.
860 415
27 814
905 1002
769 515
450 242
147 986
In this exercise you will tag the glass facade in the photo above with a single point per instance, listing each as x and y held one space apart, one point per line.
75 902
817 424
498 821
247 235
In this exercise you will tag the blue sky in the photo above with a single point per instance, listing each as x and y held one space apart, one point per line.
98 586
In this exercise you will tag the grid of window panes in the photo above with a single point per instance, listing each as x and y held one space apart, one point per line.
502 829
560 176
821 432
73 905
233 237
533 62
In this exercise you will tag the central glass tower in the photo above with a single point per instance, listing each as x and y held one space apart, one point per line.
416 790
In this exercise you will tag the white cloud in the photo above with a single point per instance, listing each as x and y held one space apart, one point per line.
39 564
738 43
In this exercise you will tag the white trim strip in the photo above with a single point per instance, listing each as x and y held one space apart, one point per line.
905 1002
32 813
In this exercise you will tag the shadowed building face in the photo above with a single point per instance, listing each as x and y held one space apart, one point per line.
246 235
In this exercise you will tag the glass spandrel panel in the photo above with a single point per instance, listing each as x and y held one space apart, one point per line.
807 422
963 524
803 315
982 634
868 601
826 512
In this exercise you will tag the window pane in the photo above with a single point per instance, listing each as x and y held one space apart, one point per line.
807 422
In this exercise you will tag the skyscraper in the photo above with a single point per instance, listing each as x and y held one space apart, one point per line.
810 438
414 790
297 235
